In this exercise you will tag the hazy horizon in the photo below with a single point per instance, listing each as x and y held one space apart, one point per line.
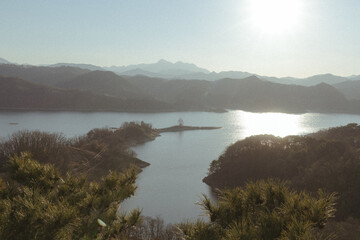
210 71
297 38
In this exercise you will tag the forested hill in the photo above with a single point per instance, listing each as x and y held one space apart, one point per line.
19 94
329 159
44 75
106 83
249 94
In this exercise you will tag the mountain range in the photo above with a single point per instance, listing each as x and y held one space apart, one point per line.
187 71
180 70
102 89
70 88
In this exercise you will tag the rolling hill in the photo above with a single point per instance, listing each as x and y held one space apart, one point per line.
18 94
250 94
44 75
351 89
104 82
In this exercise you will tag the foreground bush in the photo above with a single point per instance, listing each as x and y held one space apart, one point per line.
263 210
38 203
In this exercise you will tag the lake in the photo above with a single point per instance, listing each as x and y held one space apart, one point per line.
172 184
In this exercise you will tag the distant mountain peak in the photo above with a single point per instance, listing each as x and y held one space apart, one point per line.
325 75
164 61
162 67
4 61
253 77
78 65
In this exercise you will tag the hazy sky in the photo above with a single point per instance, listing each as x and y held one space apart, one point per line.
219 35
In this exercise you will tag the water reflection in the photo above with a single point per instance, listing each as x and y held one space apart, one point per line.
278 124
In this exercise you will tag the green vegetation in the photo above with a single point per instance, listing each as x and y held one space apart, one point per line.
263 210
41 204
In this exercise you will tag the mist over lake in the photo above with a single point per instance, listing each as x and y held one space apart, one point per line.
172 184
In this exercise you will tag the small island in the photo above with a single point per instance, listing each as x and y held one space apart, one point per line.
180 128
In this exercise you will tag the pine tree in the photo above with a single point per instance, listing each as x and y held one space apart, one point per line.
39 203
263 210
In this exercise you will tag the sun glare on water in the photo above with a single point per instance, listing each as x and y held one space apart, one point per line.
275 16
278 124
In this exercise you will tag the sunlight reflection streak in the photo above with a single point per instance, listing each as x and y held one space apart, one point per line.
278 124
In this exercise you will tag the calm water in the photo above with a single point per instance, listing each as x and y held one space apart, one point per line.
172 184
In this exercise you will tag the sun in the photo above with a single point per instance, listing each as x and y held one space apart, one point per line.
275 16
